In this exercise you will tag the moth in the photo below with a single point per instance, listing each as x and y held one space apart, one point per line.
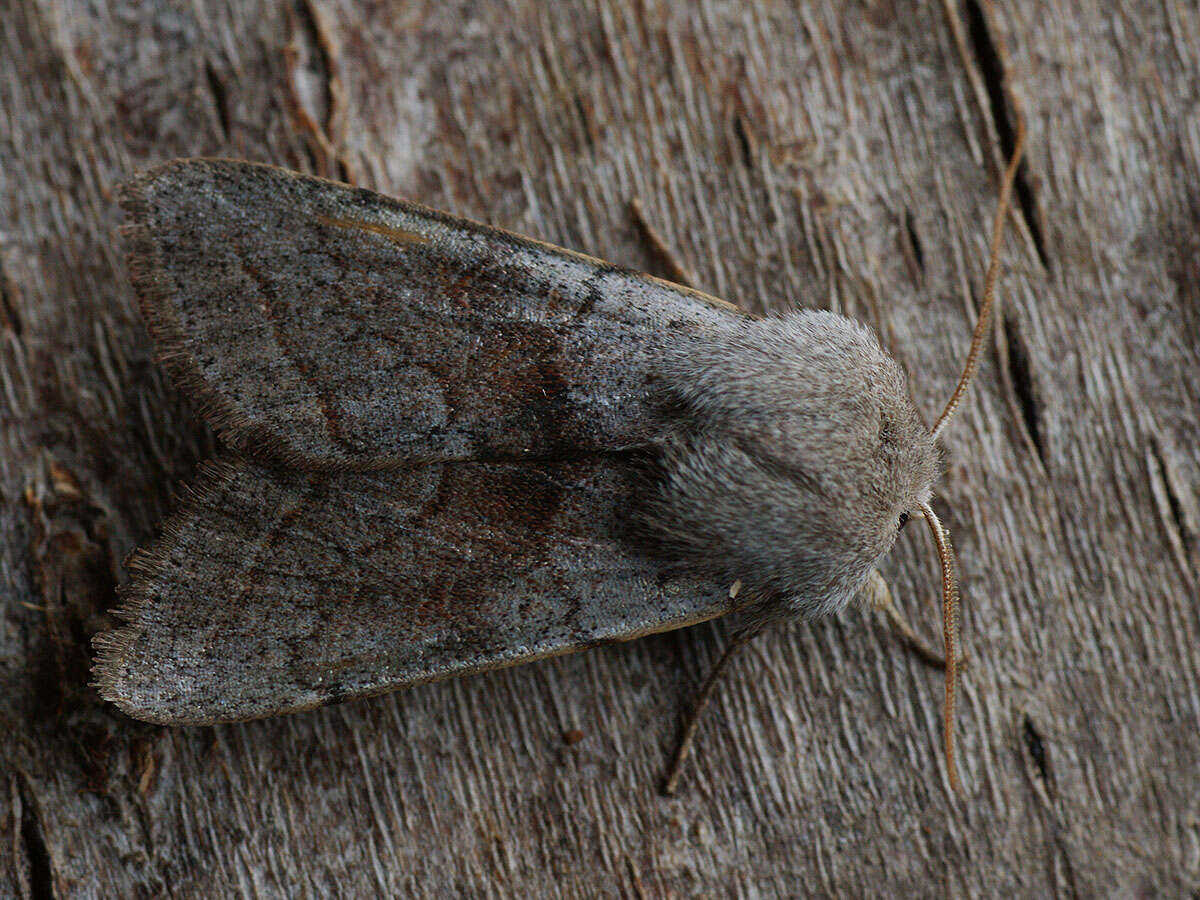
454 449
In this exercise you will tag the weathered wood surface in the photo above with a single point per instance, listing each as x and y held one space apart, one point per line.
837 155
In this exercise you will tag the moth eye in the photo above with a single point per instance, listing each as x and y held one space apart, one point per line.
903 521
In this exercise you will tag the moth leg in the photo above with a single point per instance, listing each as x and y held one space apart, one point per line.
737 642
879 597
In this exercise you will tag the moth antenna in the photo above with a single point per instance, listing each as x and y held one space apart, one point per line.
989 283
949 635
737 642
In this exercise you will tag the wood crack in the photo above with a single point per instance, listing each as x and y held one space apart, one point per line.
8 308
314 88
216 87
33 840
745 148
1060 868
1017 373
914 241
1036 748
672 268
991 61
1177 520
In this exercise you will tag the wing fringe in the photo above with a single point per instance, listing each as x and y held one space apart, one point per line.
144 564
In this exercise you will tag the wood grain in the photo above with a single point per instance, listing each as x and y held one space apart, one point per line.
835 155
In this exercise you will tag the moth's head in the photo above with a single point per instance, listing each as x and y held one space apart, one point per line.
798 456
795 458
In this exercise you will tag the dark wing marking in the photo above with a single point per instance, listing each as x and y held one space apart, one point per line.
334 327
274 592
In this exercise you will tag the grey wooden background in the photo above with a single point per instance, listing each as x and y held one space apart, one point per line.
842 155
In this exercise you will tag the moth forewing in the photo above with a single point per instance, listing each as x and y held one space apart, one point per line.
329 326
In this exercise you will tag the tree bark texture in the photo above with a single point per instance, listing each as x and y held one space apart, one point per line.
845 156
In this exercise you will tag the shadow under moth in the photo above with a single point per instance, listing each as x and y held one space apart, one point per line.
455 449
